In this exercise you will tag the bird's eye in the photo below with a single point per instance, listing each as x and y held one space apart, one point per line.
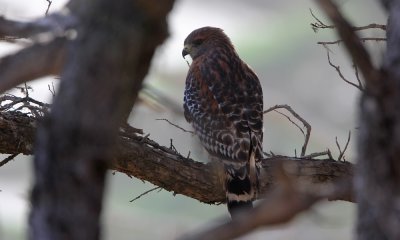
198 41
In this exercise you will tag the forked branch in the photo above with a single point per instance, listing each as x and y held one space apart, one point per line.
341 152
352 42
48 6
321 25
359 85
297 116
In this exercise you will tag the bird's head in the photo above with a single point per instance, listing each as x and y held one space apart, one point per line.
204 39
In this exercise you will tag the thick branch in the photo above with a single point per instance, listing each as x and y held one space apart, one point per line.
105 65
38 60
55 24
144 159
44 57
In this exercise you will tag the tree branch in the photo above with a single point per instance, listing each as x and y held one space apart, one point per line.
55 25
38 60
352 42
7 159
48 6
45 56
337 68
297 116
143 158
341 152
321 25
363 39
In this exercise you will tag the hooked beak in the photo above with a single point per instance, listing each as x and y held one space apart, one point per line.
185 51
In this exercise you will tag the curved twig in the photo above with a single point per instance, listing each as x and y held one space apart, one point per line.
145 193
337 68
175 125
341 153
305 123
320 25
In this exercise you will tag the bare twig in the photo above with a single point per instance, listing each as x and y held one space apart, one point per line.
27 88
52 89
305 123
145 193
357 76
13 103
362 39
337 68
341 153
338 146
290 120
320 25
48 6
175 125
23 89
353 44
7 159
172 147
351 40
370 26
320 154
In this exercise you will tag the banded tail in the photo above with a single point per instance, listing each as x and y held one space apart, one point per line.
241 186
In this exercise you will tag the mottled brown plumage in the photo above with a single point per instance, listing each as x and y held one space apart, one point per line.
223 101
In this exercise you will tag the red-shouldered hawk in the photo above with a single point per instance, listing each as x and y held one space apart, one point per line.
224 103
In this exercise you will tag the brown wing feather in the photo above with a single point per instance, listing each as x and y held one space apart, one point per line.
223 102
225 106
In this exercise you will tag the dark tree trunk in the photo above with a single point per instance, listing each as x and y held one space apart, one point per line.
378 175
103 71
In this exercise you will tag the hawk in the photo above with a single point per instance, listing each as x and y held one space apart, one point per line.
223 101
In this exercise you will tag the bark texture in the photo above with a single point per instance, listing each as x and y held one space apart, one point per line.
378 177
145 159
378 166
104 66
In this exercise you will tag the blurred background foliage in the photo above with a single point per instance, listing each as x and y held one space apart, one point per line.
275 38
